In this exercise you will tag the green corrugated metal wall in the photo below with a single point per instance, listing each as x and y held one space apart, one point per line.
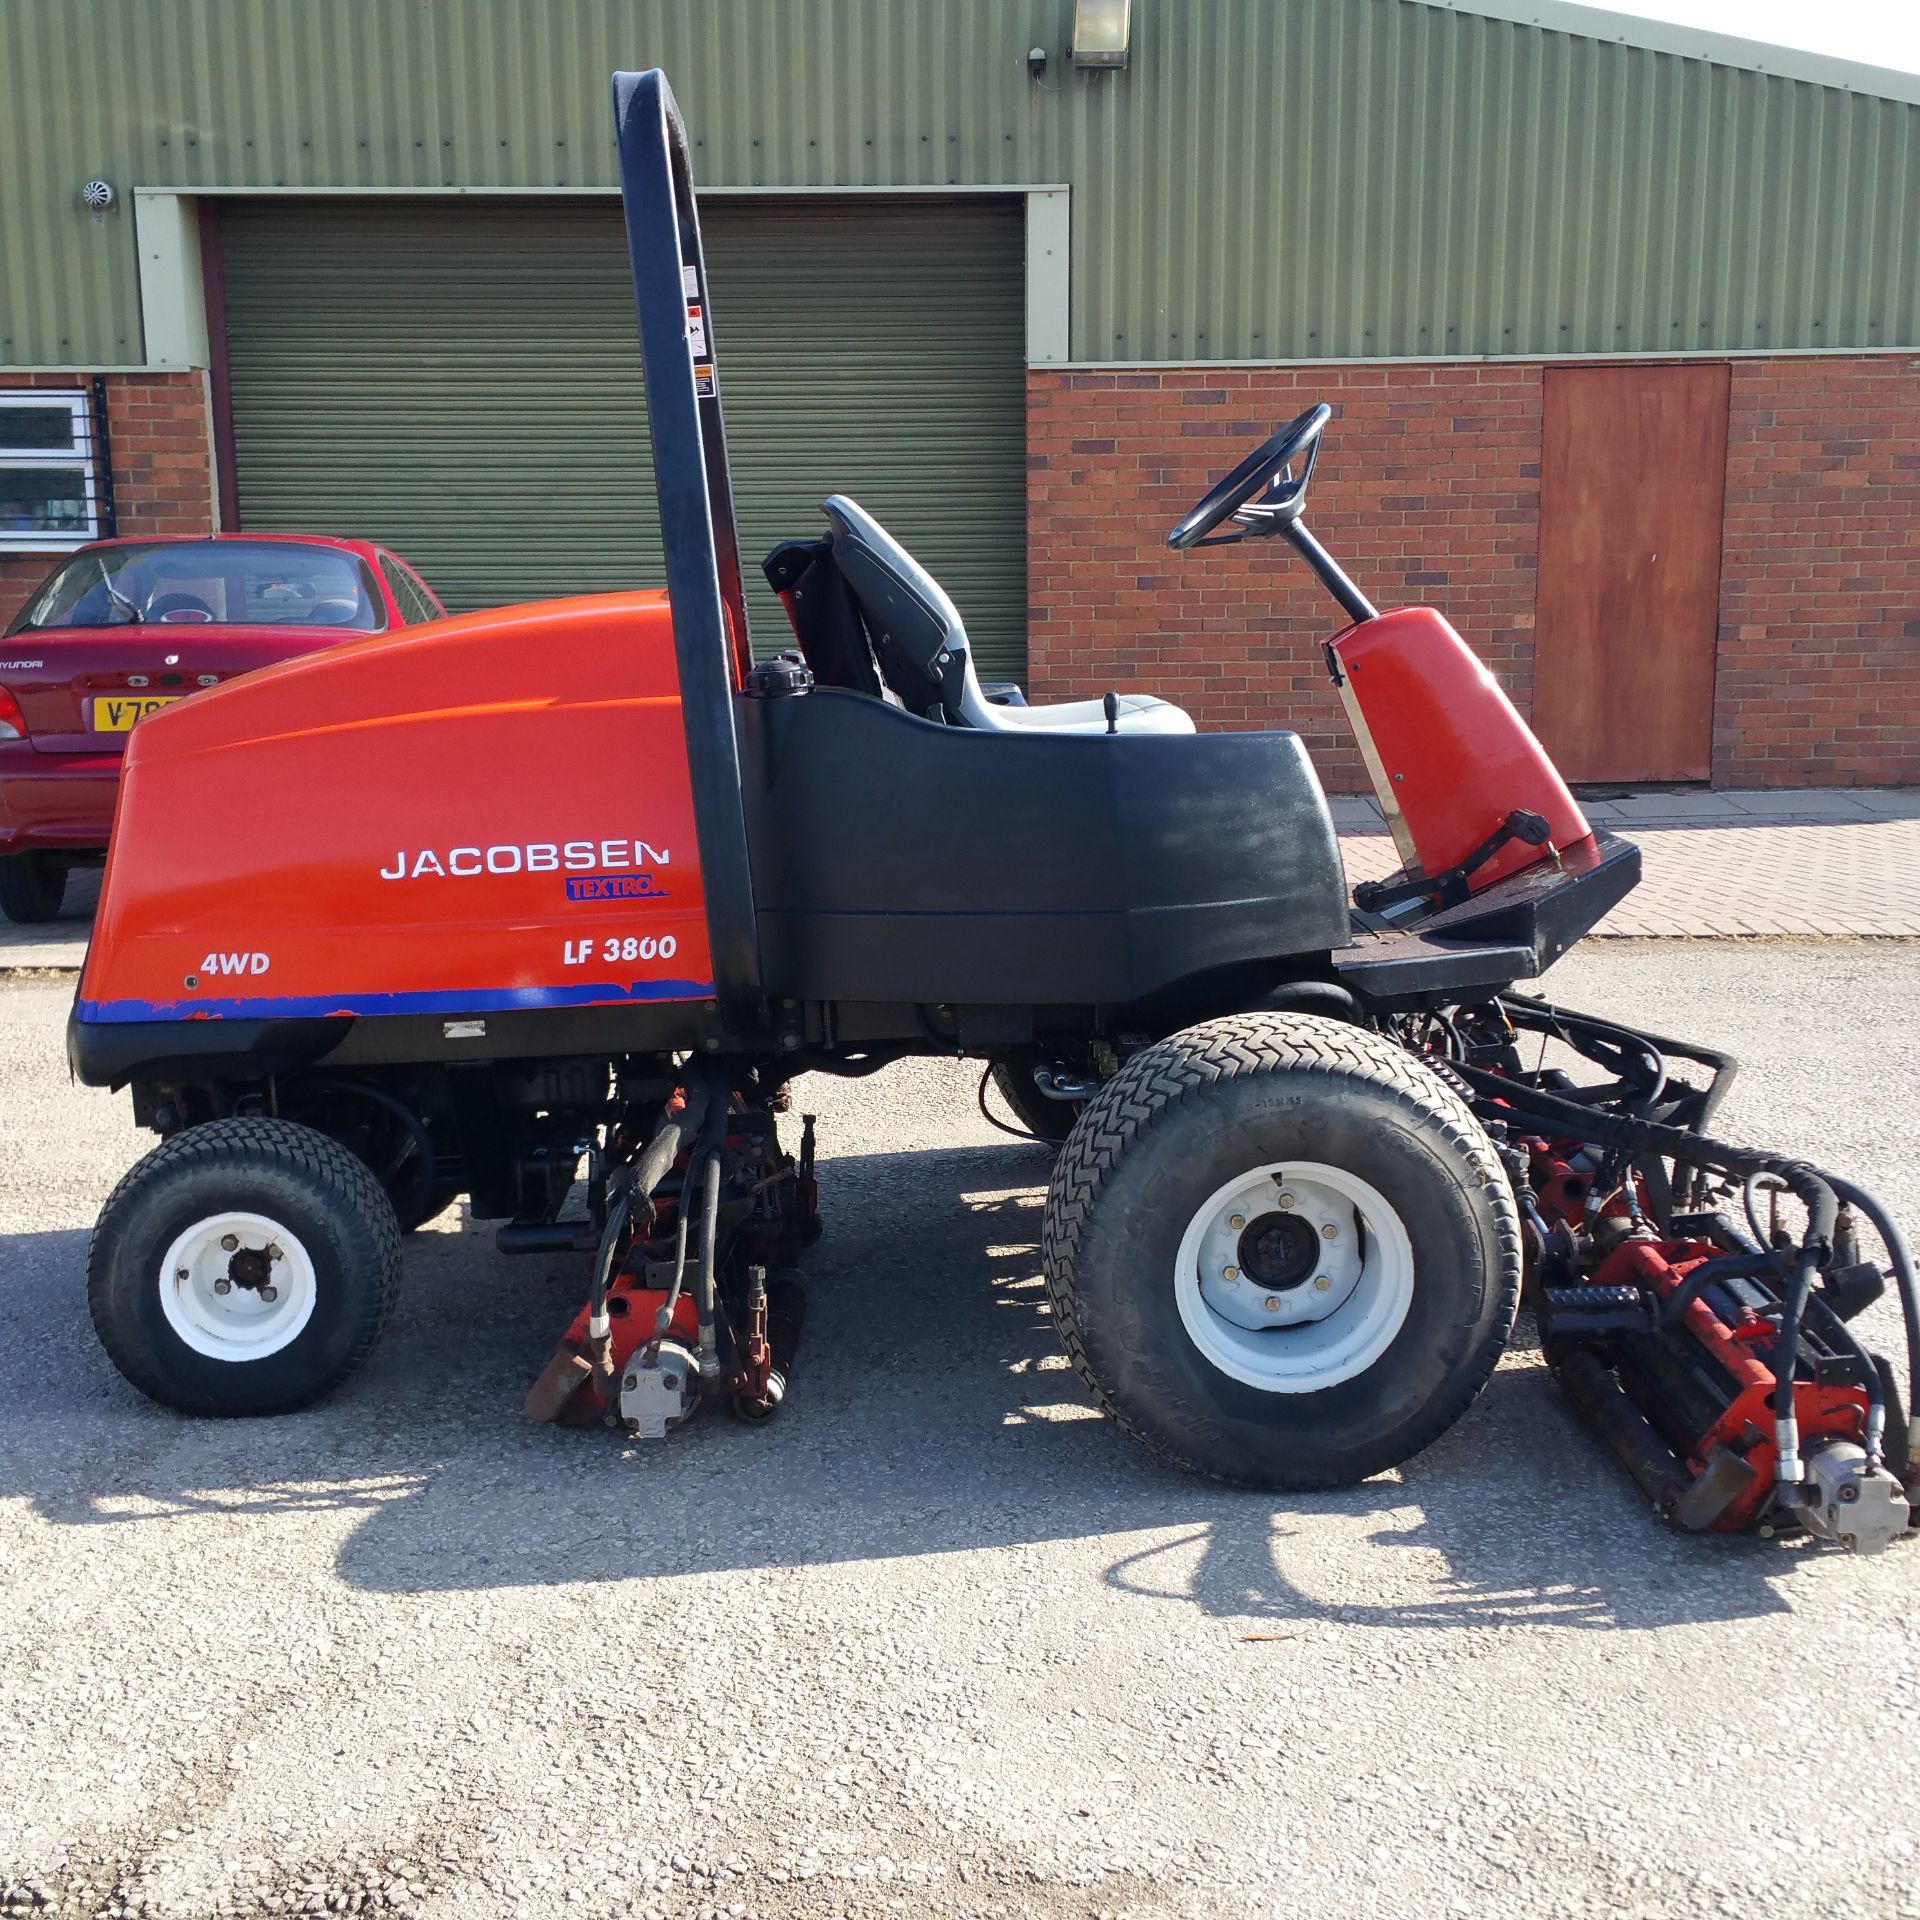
1272 179
461 379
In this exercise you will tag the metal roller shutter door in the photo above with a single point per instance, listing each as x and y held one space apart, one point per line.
461 380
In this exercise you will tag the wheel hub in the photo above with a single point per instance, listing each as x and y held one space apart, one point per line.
1294 1277
237 1287
249 1268
1279 1251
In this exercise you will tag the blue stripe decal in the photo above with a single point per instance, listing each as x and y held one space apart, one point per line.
320 1006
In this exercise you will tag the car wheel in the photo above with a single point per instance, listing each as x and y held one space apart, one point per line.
1281 1252
245 1266
32 888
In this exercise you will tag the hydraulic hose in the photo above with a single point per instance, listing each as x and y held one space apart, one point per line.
1723 1227
411 1123
1513 1101
664 1319
655 1161
1628 1041
1500 1098
1871 1383
676 1132
993 1120
1731 1267
709 1243
1786 1353
1900 1258
1539 1016
599 1324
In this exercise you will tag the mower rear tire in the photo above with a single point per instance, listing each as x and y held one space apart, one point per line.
1281 1252
246 1266
1046 1119
33 888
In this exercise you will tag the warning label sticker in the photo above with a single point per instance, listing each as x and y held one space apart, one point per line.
697 331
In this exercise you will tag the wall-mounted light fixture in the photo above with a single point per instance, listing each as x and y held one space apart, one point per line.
1100 32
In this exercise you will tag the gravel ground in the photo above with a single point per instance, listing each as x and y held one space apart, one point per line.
938 1641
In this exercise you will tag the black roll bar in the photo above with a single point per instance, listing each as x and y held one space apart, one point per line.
697 527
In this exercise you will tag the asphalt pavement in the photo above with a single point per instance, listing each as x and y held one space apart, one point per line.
938 1640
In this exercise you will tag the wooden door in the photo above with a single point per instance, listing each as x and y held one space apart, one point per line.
1632 472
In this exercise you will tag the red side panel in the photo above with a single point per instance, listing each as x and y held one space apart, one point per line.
485 813
1450 748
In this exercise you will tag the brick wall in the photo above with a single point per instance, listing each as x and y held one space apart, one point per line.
162 465
1819 662
1429 492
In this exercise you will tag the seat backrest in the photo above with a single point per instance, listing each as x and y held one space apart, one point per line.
916 629
976 710
826 618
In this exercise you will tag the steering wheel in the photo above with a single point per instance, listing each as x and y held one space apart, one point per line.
178 606
1269 466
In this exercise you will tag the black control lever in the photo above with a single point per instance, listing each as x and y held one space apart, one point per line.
1450 888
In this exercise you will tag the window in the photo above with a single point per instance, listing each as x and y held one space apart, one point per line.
408 594
50 491
257 583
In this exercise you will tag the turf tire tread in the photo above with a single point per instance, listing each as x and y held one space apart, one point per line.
236 1145
1156 1080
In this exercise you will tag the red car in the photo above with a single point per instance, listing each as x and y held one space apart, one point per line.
127 626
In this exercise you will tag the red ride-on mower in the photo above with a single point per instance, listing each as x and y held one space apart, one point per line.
578 886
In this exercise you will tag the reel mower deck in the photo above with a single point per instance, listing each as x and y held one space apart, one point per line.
564 898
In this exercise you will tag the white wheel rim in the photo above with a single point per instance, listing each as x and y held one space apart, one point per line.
1294 1277
268 1293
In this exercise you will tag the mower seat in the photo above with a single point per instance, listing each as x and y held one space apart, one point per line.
923 650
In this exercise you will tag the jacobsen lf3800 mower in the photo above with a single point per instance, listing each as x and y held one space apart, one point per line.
565 896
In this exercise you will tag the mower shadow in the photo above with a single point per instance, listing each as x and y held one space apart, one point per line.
931 1413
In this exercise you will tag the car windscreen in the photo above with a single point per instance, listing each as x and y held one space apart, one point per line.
258 583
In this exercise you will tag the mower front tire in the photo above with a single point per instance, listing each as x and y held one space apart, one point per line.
33 888
246 1266
1281 1252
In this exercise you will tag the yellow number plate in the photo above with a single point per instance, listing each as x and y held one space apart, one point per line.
113 713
